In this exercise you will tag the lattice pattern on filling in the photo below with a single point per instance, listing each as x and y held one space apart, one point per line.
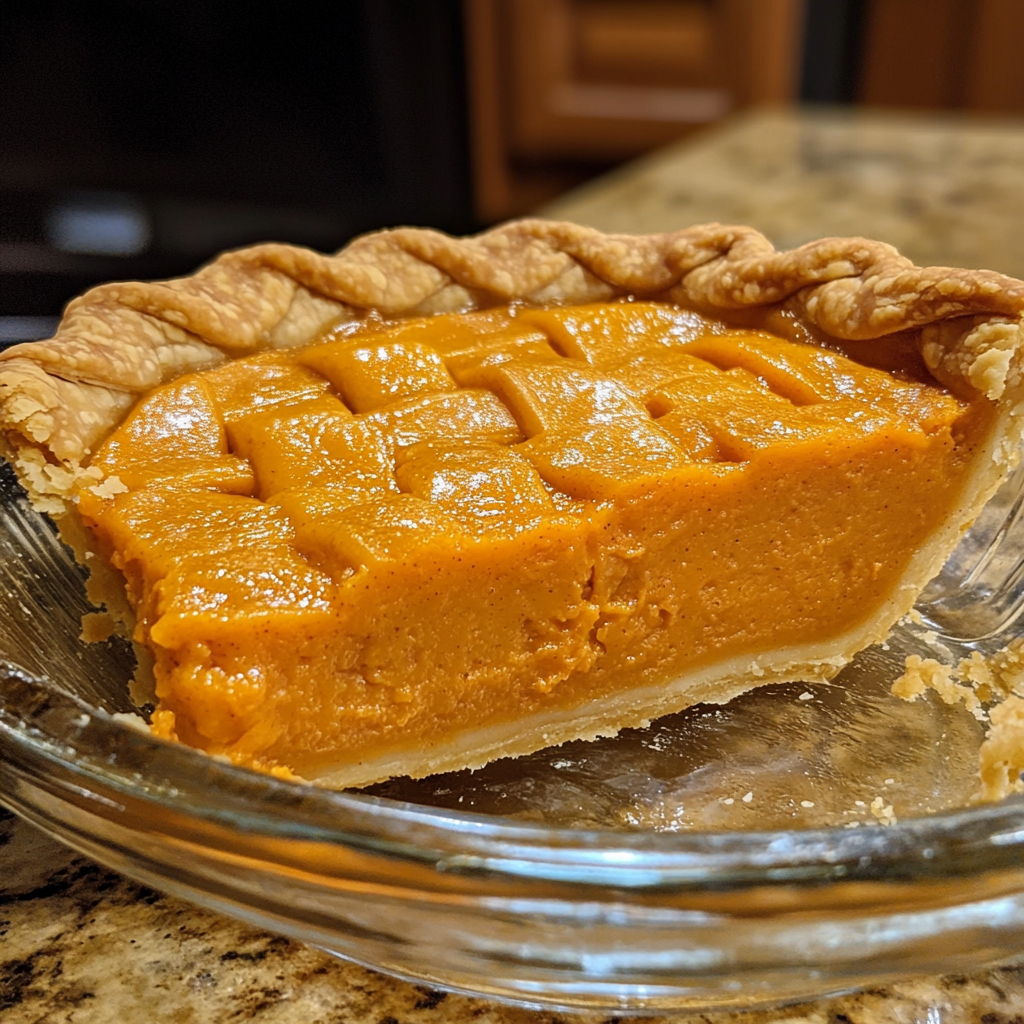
495 422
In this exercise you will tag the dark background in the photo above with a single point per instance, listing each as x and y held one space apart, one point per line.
210 125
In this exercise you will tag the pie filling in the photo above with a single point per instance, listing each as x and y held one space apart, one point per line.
379 544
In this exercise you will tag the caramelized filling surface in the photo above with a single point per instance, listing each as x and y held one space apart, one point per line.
395 535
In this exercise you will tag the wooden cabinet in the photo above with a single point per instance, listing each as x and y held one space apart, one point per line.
562 88
944 54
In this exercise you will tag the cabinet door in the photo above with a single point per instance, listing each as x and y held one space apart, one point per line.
562 87
944 55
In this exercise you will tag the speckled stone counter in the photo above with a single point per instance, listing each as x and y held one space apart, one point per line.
79 943
945 191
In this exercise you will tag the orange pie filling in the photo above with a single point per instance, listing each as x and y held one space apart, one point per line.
433 537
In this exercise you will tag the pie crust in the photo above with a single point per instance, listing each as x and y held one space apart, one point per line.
61 398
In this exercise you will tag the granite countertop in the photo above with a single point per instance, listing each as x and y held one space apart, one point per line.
79 943
946 191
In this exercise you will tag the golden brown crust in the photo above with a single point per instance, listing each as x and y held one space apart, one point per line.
59 397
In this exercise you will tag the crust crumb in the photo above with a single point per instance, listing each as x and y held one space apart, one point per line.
882 812
48 485
1001 758
109 487
997 680
922 674
1007 667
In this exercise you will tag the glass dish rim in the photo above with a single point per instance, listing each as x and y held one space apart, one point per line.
45 731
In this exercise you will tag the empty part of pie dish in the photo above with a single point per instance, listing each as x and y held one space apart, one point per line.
800 839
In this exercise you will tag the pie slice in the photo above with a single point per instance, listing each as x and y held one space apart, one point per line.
432 501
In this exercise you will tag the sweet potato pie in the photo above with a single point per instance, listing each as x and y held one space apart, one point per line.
432 501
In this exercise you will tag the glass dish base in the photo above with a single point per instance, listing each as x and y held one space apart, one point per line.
799 841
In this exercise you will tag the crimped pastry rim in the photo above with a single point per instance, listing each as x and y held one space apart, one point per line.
60 397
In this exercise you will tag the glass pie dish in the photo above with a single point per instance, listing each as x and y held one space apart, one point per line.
796 842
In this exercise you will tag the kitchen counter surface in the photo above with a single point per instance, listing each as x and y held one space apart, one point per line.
79 943
945 191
